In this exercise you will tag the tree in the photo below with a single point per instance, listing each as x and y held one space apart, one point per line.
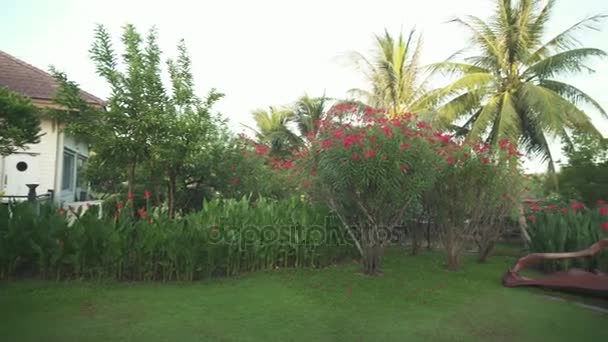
585 177
509 89
273 130
189 130
394 74
162 134
19 122
307 114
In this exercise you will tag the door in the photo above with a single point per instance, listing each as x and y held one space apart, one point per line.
20 169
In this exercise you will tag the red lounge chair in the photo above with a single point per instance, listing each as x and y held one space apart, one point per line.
572 280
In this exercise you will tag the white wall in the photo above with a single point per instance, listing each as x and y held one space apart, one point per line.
45 154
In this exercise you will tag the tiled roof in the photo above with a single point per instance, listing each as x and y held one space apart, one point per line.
30 81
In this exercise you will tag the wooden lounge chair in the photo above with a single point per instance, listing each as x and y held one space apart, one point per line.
577 280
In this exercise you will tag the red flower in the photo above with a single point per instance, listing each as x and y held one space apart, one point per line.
534 206
449 160
405 167
355 156
349 140
369 153
305 184
423 125
485 160
603 210
387 131
147 194
261 149
444 138
396 122
563 211
601 202
577 205
552 206
141 212
337 133
287 164
605 226
326 143
372 138
119 205
129 196
404 145
531 218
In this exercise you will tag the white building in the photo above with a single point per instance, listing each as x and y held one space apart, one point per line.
56 162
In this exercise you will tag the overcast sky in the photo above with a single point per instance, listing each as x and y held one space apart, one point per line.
262 53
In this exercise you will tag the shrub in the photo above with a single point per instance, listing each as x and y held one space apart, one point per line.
569 228
370 171
473 196
224 238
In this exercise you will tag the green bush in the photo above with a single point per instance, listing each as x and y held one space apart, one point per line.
557 229
225 238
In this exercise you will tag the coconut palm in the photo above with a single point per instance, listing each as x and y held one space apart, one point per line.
509 88
273 131
394 74
307 112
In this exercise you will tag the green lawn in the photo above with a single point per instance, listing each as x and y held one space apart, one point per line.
414 300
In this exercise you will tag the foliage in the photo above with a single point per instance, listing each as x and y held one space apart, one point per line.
509 89
556 228
585 177
474 196
226 237
19 122
394 74
369 170
146 129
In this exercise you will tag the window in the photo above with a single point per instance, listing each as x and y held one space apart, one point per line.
80 176
67 178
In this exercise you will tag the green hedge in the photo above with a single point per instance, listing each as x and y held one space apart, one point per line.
555 229
225 238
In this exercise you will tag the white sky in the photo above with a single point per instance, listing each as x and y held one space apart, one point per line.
264 52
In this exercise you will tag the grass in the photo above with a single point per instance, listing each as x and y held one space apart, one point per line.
415 299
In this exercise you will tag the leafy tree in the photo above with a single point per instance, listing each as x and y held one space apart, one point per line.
147 129
19 122
394 73
509 89
585 177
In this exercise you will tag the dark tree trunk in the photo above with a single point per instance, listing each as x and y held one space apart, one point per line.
415 238
485 251
372 250
428 234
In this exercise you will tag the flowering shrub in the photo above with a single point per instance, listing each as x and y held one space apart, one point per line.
474 195
370 170
568 228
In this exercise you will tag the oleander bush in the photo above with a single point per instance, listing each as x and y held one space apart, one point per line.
224 238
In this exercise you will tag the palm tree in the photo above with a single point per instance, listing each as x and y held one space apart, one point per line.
508 89
273 131
394 74
307 112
